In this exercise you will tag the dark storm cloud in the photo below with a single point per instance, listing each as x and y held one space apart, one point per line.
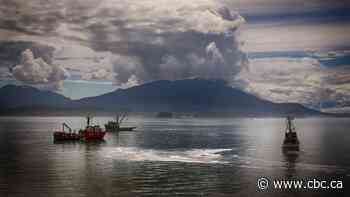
186 42
32 17
291 8
186 54
191 38
148 40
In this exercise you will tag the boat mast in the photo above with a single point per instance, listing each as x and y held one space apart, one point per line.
290 126
88 120
120 117
117 120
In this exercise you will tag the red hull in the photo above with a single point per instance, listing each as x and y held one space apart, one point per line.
91 132
63 136
87 135
93 135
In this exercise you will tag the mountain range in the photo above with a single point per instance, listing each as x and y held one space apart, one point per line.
184 96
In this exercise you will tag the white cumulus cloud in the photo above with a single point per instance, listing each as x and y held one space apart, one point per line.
34 71
298 80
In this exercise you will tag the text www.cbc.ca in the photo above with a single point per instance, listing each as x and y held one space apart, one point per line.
314 184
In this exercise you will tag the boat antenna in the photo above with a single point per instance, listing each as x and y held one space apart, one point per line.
88 119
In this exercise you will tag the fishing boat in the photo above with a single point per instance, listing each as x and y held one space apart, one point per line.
291 138
66 136
164 115
115 126
90 133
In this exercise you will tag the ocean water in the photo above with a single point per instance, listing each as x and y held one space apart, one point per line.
171 157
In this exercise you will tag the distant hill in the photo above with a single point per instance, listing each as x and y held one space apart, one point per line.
190 95
196 96
12 96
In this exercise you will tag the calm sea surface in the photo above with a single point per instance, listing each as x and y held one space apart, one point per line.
170 157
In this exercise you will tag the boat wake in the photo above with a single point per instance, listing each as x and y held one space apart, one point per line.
189 156
211 156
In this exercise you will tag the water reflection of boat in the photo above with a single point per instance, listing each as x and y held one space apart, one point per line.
291 158
291 140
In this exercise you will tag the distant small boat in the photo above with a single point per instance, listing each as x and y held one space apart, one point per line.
114 126
164 115
291 138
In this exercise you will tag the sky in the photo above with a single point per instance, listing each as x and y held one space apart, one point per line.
279 50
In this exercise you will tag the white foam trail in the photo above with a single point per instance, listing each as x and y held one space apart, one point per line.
209 156
190 156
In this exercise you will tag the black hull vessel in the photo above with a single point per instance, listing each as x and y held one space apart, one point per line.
291 140
114 126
